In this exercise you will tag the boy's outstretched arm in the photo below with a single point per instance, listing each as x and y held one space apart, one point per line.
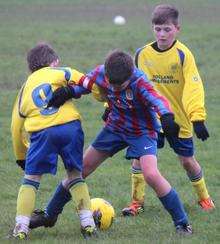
64 93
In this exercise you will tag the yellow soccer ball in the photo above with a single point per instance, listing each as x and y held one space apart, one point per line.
103 213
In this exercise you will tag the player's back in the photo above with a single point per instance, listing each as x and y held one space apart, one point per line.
36 93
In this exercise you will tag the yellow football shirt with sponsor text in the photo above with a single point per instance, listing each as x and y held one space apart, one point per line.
175 75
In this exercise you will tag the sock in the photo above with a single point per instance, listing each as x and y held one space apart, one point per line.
80 194
137 185
200 188
22 224
199 185
174 206
26 197
58 201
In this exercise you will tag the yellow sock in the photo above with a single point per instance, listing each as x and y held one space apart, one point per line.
80 195
200 188
26 200
138 187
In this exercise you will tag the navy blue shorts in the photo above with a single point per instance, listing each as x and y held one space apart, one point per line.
66 140
112 142
181 146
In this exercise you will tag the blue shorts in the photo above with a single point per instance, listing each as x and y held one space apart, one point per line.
66 140
112 142
181 146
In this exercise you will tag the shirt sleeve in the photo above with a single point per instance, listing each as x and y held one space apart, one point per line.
150 97
89 82
193 92
78 91
19 140
74 77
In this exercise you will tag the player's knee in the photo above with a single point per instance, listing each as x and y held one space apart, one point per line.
187 162
136 164
73 174
151 177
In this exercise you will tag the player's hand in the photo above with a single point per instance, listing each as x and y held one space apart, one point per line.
169 126
105 114
60 96
200 130
21 163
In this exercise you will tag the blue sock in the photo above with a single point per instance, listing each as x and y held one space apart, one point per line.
58 201
174 206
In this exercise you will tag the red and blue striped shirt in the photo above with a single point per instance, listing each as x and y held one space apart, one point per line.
134 109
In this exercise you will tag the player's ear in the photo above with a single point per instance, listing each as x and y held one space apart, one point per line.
178 28
55 63
106 78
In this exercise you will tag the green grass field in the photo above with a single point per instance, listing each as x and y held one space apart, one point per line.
83 33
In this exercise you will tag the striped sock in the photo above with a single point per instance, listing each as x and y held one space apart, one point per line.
199 185
26 197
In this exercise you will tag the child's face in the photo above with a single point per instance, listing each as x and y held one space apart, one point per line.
121 87
117 87
165 34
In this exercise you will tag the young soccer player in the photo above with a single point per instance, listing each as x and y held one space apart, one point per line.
53 131
132 124
171 67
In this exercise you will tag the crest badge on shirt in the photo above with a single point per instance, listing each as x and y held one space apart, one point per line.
174 67
129 94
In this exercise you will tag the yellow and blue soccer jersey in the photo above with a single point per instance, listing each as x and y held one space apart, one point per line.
175 75
30 110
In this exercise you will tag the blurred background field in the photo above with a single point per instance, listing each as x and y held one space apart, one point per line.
83 33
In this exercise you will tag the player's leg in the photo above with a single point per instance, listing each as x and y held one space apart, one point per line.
92 158
194 172
137 191
81 199
166 194
138 185
40 159
25 205
184 148
145 148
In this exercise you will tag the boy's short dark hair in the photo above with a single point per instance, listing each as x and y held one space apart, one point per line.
164 13
42 55
119 67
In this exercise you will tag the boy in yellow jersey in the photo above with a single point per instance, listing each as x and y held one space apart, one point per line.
53 131
171 67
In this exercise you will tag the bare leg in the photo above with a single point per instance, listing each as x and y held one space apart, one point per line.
167 195
152 175
190 164
92 158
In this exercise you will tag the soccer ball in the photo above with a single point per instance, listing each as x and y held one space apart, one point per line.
103 213
119 20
